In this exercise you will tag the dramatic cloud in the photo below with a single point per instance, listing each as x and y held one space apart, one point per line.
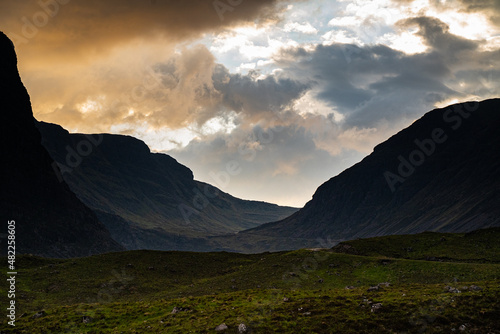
266 99
85 28
375 84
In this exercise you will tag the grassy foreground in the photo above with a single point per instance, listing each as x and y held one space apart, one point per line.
436 286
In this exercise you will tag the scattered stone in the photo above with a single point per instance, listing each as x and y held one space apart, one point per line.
376 307
39 314
130 265
86 319
320 280
179 309
475 288
221 327
286 299
451 289
462 328
384 284
306 313
292 274
373 288
242 328
350 287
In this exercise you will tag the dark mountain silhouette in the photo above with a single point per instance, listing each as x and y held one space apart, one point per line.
50 220
149 200
440 174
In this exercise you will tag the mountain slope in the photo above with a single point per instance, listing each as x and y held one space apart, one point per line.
440 174
49 218
149 200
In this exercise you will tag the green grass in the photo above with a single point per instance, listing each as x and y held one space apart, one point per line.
477 246
135 292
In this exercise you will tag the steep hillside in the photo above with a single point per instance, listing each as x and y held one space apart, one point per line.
50 220
149 200
440 174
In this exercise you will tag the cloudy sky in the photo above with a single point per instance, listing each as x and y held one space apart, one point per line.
266 99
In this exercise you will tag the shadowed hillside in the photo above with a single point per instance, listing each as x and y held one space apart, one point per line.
148 200
440 174
50 220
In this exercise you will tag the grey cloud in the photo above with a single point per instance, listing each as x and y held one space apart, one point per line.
436 35
374 83
245 93
286 159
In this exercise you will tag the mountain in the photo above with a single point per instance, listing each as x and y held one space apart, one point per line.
440 174
148 200
49 219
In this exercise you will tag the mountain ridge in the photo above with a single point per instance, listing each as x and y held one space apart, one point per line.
465 159
49 219
138 193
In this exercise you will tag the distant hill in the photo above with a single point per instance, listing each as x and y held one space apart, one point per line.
440 174
148 200
50 220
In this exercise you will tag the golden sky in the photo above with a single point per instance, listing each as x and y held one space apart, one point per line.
294 91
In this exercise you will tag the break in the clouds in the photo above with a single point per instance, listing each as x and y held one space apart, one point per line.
265 99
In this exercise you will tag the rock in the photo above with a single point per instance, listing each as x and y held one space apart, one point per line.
373 288
221 328
350 287
242 328
384 284
320 280
451 289
376 307
86 319
462 328
292 274
39 315
475 288
286 299
179 309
